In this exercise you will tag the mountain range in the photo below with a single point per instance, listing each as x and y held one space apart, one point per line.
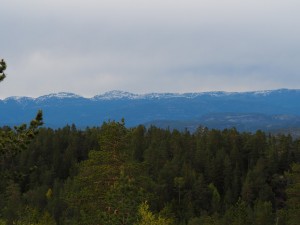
247 111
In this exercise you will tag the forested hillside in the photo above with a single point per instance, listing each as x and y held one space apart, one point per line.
116 175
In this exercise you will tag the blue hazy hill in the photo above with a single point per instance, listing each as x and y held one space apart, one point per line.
267 110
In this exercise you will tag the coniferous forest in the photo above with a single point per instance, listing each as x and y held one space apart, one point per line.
117 175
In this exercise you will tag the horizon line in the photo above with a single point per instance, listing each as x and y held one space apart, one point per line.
148 93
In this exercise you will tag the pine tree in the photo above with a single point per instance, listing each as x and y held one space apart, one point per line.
148 218
103 192
2 68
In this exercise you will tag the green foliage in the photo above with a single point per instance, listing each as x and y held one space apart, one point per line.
123 199
32 216
179 182
85 193
12 143
104 176
239 213
148 218
293 195
2 68
13 202
103 191
263 213
113 137
215 199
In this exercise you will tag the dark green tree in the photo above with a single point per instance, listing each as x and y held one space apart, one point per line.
2 68
103 192
146 217
293 195
263 214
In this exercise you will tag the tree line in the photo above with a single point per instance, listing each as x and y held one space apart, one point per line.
117 175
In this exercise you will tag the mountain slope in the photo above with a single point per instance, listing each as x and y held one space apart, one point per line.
244 110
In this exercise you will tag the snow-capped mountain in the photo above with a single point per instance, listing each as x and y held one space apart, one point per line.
277 108
19 99
60 95
111 95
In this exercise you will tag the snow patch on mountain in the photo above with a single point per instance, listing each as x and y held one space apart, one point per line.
161 95
117 95
110 95
113 95
60 95
262 93
19 99
278 91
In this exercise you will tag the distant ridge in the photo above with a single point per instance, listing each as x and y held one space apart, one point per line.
247 111
117 94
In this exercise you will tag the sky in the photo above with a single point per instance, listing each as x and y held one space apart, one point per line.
89 47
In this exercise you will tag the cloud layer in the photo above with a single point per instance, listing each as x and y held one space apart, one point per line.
89 47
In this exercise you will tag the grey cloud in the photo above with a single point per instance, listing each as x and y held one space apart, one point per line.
142 46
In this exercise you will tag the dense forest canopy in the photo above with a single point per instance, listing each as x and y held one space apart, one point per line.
117 175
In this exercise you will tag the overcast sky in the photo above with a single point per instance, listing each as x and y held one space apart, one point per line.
89 47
